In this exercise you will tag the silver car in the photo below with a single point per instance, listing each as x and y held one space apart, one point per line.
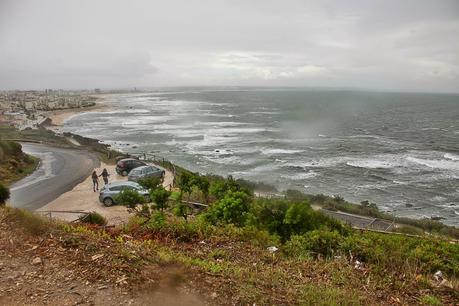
144 172
108 193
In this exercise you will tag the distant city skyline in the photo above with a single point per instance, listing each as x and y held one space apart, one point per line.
374 45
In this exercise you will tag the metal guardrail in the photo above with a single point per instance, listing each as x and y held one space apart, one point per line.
49 213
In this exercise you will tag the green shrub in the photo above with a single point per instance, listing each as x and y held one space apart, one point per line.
150 183
182 210
160 197
185 182
129 198
157 220
285 218
93 218
323 242
233 208
4 194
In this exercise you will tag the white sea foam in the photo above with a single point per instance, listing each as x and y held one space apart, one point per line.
451 156
372 164
435 163
279 151
222 123
301 175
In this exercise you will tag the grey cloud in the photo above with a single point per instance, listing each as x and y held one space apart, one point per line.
401 45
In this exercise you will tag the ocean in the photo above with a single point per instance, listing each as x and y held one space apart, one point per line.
398 150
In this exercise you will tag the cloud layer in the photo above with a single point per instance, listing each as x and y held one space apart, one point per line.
399 45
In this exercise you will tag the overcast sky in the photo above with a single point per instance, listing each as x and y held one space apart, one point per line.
398 45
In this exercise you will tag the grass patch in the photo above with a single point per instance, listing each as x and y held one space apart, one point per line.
26 220
314 295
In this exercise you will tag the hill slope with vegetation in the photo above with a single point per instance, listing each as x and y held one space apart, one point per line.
14 163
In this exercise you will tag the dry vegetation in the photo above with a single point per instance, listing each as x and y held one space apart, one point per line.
14 164
187 263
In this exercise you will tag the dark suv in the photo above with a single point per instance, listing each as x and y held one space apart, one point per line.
124 166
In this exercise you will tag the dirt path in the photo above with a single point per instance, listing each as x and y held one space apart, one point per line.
82 198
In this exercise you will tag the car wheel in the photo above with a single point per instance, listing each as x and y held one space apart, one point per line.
124 173
108 202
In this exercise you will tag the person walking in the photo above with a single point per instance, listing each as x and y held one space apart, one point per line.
105 176
95 181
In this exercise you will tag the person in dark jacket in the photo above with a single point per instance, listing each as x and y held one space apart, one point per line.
95 181
105 176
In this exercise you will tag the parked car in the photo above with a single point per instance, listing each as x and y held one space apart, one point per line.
145 171
108 193
124 166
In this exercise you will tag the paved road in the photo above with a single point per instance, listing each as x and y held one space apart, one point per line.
359 221
59 171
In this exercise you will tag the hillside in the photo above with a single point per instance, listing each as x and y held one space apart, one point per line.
14 164
173 262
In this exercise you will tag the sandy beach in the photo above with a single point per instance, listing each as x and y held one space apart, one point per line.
58 117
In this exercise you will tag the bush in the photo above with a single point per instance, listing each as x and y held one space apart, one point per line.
160 197
323 242
129 198
182 210
285 218
157 220
150 183
233 208
4 194
93 218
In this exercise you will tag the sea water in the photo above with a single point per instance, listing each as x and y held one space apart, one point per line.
398 150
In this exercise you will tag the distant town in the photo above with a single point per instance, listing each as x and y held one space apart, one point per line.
29 109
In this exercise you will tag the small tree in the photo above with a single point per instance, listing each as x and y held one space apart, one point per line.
160 196
203 184
185 182
182 210
4 194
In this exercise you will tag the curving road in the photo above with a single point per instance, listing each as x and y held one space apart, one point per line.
59 171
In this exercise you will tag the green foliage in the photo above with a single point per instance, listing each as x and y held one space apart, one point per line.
220 187
233 208
185 182
385 251
323 242
431 300
4 194
325 296
181 210
150 183
285 218
175 196
160 197
93 218
203 184
157 220
129 198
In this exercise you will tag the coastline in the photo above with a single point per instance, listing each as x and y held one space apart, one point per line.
59 117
